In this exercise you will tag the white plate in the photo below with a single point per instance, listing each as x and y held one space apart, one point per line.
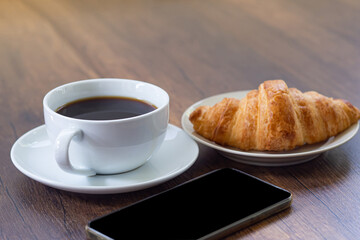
32 154
298 155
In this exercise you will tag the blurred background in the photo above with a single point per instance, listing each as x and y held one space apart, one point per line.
194 44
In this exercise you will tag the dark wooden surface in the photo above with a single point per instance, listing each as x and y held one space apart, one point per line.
192 49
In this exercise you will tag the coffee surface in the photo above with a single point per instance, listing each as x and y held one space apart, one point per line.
105 108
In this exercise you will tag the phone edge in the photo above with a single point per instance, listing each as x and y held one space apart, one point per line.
250 220
92 234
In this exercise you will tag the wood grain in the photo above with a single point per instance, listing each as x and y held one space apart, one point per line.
192 49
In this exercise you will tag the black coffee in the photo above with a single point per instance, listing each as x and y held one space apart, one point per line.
105 108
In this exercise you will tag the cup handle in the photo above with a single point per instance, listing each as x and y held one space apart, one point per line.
62 152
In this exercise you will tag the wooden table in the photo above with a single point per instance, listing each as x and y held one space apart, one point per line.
192 49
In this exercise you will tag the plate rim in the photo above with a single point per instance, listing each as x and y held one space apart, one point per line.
352 130
112 189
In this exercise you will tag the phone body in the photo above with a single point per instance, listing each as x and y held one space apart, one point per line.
208 207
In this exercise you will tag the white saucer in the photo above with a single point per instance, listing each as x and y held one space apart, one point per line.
32 155
296 156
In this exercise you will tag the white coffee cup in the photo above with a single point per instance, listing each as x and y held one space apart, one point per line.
90 147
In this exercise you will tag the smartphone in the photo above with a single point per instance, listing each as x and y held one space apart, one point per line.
208 207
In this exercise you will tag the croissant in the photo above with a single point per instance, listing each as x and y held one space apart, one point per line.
274 118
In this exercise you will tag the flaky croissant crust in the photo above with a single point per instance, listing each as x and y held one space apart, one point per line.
274 118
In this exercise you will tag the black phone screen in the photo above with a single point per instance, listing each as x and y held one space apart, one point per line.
194 209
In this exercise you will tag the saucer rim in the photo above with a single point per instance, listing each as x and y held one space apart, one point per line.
103 189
